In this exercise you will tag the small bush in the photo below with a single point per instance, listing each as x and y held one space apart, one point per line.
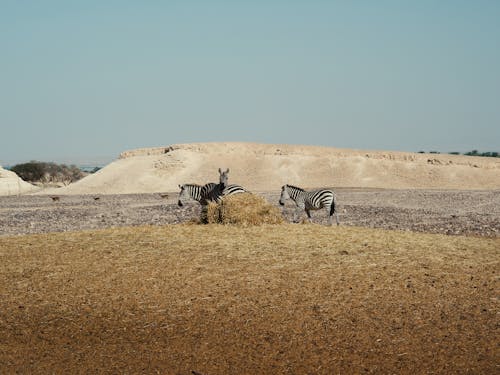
32 171
243 209
36 171
491 154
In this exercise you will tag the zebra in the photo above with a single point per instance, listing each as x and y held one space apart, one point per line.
210 192
213 192
223 177
311 200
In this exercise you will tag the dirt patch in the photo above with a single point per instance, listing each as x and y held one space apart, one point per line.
283 299
437 211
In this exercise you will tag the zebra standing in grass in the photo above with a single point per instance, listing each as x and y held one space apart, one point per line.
204 194
311 200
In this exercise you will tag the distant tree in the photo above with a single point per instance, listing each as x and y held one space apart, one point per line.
36 171
472 153
31 171
490 154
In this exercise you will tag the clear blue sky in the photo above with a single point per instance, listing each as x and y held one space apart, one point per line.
83 80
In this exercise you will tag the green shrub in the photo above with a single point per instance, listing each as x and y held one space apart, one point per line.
36 171
32 171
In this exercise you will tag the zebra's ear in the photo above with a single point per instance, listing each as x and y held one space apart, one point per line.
220 171
180 186
227 170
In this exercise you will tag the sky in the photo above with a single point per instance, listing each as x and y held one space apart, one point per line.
82 81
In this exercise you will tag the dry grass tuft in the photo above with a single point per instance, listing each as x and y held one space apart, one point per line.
243 209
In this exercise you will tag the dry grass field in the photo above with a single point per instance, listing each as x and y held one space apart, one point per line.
269 299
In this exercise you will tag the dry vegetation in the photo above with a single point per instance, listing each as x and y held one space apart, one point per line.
243 209
269 299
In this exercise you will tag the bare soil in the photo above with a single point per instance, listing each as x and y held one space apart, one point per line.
117 290
454 212
270 299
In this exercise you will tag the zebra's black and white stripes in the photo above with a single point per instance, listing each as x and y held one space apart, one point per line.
311 200
305 200
223 177
210 192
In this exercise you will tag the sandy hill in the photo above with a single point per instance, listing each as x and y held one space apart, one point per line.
12 184
266 167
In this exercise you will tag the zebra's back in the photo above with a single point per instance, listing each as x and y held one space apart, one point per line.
233 189
215 192
211 192
320 198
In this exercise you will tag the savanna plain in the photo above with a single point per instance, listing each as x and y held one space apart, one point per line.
408 283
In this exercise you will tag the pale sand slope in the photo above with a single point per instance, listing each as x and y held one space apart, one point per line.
12 184
266 167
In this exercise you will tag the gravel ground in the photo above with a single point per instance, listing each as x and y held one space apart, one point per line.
474 213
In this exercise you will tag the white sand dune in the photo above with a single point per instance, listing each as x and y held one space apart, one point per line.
12 184
266 167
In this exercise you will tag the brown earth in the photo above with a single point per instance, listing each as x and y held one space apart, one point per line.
272 299
122 290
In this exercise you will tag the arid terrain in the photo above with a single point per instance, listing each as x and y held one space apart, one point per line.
108 275
436 211
271 299
266 167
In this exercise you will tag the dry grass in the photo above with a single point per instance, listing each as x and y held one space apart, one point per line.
269 299
243 209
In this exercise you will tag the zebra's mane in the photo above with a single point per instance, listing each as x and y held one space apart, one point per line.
295 187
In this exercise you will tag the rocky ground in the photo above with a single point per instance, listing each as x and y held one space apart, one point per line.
451 212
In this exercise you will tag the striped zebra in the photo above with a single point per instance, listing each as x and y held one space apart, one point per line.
223 177
311 200
213 191
210 192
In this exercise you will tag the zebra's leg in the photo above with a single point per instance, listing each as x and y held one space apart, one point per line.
332 210
204 214
328 210
297 214
308 212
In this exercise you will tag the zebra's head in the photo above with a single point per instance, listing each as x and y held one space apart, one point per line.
183 195
223 177
284 195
